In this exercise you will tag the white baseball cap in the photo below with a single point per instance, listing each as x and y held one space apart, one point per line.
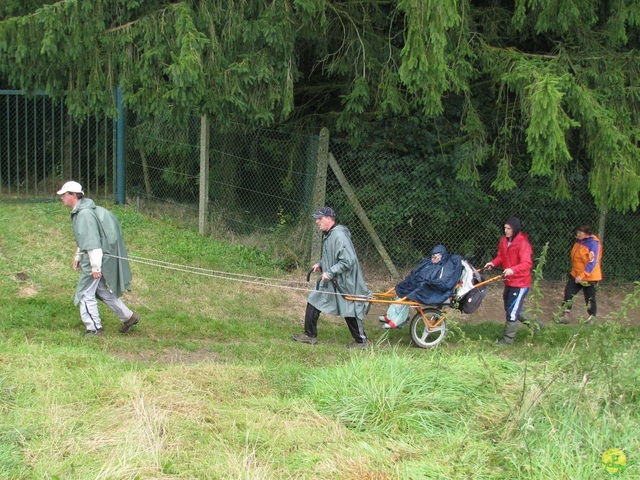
72 187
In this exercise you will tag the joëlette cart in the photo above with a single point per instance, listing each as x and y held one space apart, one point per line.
428 326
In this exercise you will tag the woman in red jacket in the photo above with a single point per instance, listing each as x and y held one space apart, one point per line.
585 272
515 258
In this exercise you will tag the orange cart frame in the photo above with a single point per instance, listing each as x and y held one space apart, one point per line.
428 327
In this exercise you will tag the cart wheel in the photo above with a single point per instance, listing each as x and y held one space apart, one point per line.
422 335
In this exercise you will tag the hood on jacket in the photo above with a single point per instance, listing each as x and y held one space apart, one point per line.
515 224
442 250
82 204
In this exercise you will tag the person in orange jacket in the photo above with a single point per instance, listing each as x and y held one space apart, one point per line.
585 272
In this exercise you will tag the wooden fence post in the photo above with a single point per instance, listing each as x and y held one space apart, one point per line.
320 189
362 215
203 210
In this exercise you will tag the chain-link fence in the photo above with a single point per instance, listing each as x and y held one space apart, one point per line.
40 144
262 184
260 181
261 190
415 203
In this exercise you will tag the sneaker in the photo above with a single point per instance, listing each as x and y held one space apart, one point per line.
389 323
392 325
591 320
564 319
98 333
382 318
304 338
134 319
358 344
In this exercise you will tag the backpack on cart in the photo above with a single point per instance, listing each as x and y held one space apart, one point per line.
468 297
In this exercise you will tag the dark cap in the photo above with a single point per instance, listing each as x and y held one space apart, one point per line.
324 212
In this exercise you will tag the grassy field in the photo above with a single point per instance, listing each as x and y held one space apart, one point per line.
210 385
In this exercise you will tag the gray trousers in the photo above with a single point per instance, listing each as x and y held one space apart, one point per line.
89 305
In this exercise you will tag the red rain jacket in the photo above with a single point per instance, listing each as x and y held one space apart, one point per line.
517 257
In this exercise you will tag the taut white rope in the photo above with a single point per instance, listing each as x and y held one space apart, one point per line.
244 278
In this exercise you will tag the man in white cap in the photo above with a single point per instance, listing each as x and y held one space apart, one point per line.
341 274
101 258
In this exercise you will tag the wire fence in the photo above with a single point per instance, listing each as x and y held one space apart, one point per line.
415 203
262 184
40 144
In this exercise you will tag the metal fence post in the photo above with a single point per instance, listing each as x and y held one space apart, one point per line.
203 211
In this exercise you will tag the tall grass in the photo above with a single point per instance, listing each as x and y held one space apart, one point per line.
210 386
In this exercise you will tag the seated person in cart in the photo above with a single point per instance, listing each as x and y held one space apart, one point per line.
432 282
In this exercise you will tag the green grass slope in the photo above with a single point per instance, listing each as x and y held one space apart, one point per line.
209 385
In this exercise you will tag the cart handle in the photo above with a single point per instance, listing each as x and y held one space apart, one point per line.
309 274
492 279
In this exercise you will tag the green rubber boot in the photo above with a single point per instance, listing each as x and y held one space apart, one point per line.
510 330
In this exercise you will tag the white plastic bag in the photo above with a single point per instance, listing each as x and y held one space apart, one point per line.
398 314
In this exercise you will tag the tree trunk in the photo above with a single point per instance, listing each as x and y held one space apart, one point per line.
145 173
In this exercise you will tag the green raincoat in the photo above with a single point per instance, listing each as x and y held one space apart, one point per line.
96 227
340 263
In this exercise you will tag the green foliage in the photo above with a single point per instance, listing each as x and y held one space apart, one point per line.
474 151
210 384
536 296
356 103
164 56
547 127
427 55
557 16
395 396
535 85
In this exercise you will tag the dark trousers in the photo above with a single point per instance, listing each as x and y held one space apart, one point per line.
513 298
311 325
572 288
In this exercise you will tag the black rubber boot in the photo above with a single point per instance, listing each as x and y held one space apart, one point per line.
510 330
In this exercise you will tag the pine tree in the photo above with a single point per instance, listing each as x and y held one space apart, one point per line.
545 85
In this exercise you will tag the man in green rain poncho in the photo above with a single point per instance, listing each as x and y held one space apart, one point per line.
101 258
341 275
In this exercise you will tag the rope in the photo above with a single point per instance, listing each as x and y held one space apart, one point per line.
276 282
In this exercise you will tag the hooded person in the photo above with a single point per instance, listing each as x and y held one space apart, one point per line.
432 282
515 258
341 275
101 258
